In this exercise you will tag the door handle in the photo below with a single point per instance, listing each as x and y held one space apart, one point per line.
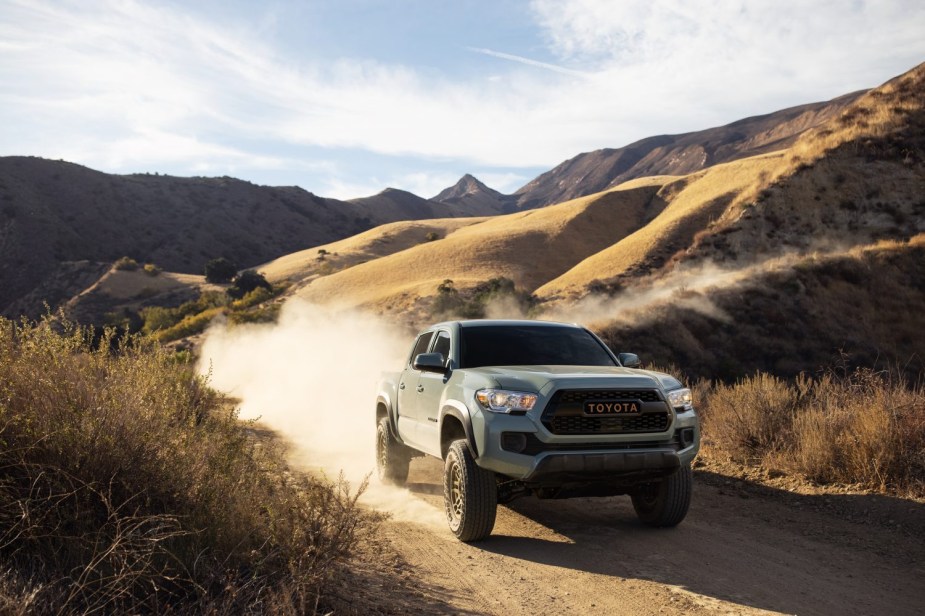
401 385
420 388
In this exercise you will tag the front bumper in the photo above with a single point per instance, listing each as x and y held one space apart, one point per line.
556 460
569 468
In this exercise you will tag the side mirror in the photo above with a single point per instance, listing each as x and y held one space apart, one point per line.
629 360
430 362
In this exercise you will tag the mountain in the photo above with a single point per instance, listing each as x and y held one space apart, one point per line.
593 172
470 192
54 213
778 261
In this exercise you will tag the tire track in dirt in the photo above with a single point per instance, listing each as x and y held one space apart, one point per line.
743 549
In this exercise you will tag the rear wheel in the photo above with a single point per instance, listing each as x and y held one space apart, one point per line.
665 503
470 494
392 458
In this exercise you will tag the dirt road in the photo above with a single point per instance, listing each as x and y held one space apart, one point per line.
744 548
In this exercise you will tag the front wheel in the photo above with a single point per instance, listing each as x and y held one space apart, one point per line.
470 494
665 503
392 458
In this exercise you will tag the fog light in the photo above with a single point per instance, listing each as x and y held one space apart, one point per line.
687 437
513 441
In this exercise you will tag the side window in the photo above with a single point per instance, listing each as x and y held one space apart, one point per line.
442 345
420 346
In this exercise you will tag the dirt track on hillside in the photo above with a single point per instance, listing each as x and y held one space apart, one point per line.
743 549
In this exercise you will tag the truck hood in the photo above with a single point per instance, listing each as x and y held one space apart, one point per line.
543 379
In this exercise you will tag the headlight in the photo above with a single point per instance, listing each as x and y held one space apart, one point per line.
681 399
501 401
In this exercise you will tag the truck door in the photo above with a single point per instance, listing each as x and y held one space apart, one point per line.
430 391
408 398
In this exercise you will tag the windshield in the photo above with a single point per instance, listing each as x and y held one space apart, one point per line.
530 345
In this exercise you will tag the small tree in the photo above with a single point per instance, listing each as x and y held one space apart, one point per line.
247 281
220 270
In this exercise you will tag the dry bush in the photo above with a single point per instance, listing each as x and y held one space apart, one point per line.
866 427
751 417
854 427
127 485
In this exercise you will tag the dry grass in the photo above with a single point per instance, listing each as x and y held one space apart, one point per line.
127 485
527 247
373 244
861 427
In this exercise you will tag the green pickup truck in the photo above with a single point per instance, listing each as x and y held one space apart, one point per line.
533 407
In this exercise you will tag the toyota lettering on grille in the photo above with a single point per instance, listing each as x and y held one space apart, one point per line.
612 407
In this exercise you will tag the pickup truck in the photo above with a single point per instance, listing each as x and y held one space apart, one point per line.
532 407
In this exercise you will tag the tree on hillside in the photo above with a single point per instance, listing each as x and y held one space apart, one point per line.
220 270
247 281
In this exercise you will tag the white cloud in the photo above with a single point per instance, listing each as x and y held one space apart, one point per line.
121 84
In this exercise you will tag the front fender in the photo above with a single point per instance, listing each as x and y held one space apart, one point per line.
459 411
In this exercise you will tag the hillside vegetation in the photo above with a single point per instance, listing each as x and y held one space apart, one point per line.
526 247
127 485
54 213
774 262
862 427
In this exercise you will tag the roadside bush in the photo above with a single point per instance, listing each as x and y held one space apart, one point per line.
127 485
856 427
753 416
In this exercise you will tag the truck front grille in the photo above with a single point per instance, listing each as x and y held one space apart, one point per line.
565 413
649 422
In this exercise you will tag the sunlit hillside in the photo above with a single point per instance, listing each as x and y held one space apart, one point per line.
527 247
379 242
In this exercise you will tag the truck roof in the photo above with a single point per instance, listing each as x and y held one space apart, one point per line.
501 322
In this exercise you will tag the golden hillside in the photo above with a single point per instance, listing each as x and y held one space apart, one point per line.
381 241
528 247
856 179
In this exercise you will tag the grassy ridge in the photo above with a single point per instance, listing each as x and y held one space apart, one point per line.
128 485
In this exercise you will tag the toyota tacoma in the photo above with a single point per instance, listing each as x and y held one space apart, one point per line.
532 407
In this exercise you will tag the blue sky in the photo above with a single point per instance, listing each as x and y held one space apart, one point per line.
347 97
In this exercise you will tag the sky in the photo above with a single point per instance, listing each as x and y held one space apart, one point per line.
348 97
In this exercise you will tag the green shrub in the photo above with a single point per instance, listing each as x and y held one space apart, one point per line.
127 485
151 270
220 270
188 326
126 264
247 281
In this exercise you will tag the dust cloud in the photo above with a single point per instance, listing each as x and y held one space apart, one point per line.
687 288
312 378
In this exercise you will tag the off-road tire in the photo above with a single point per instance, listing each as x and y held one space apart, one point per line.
665 503
392 458
470 494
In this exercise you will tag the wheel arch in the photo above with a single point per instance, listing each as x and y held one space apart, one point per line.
384 409
456 424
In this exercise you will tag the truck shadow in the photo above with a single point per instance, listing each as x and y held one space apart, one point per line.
744 543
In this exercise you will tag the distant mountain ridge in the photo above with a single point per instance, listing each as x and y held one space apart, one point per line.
58 217
54 212
592 172
469 191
